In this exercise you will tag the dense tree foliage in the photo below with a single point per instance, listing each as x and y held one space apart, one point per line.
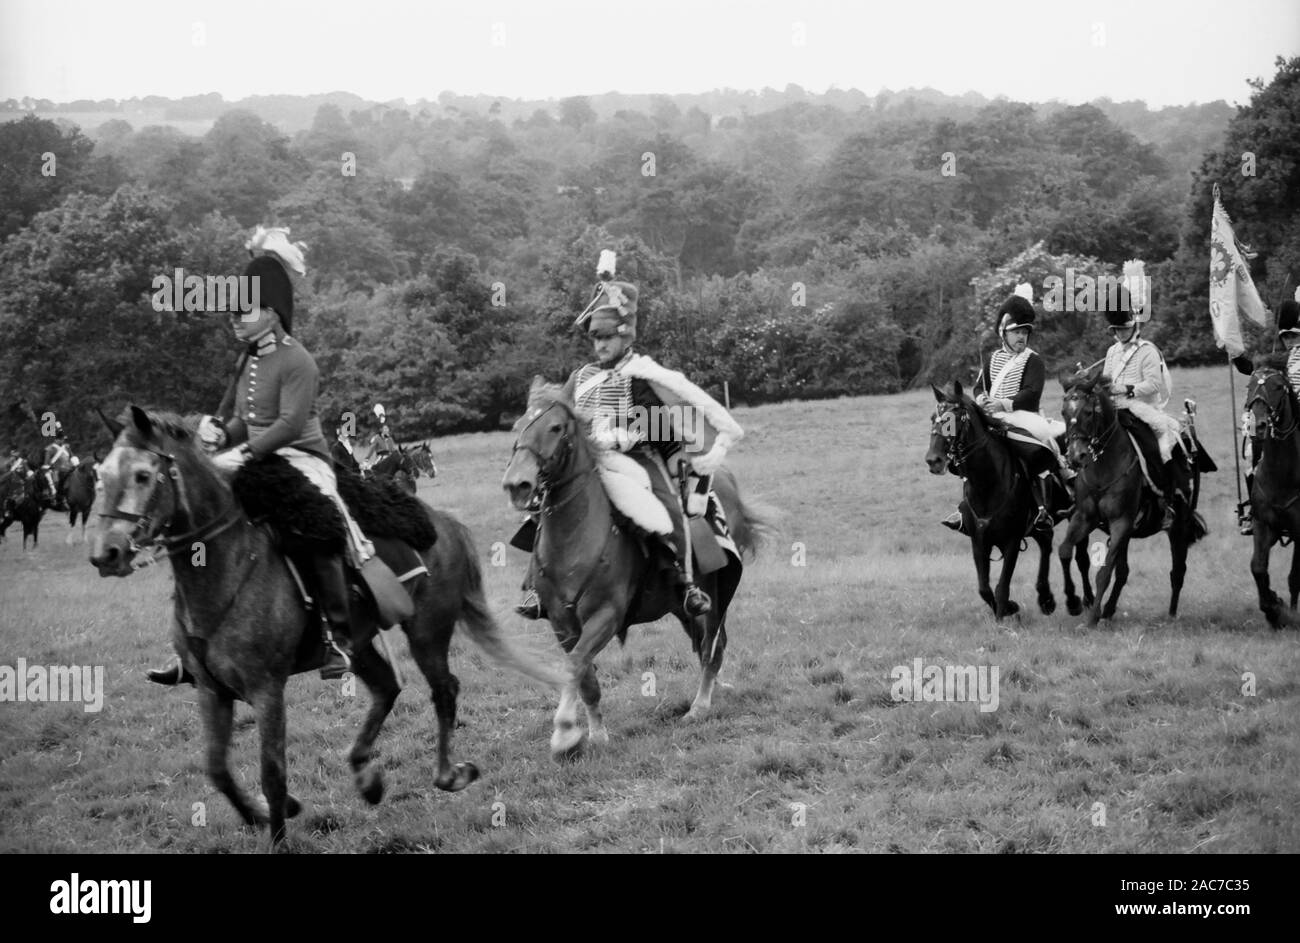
785 244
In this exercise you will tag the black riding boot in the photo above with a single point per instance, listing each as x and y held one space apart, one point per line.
695 601
332 598
174 673
1043 520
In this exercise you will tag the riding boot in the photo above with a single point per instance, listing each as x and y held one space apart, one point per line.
1245 521
1043 520
174 673
695 601
1175 491
332 599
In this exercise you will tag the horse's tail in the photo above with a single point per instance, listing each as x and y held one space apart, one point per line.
483 628
753 523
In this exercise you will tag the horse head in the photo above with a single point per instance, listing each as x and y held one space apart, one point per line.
1089 416
548 437
957 427
1272 403
156 481
422 458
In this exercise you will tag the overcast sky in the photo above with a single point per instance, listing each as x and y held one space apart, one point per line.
1165 52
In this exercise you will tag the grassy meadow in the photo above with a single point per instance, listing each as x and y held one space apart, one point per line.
1142 723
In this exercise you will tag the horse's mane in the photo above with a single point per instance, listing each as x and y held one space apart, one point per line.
543 395
172 425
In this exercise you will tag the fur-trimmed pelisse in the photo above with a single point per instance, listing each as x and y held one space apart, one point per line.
272 490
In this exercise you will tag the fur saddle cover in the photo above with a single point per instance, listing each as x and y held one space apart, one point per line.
272 490
627 485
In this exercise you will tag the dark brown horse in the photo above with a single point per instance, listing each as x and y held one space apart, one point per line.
1275 493
80 495
593 575
25 500
1110 493
998 504
240 626
399 466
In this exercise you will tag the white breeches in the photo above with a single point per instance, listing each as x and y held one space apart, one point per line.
1166 427
321 474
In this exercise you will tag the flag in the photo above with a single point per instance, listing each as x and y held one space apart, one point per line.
1232 292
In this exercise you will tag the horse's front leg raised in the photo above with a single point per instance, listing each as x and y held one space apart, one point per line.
568 737
1121 579
1119 537
1072 545
379 679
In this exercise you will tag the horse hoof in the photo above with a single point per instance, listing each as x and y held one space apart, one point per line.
461 775
370 783
600 736
291 807
694 714
568 748
1073 606
1047 605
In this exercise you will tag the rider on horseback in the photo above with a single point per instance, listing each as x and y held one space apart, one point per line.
57 462
1288 331
271 408
1140 384
1010 389
622 387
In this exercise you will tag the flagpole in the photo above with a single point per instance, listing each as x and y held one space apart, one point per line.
1236 446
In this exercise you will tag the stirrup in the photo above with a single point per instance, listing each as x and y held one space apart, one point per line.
696 601
173 674
956 522
337 662
1043 520
531 607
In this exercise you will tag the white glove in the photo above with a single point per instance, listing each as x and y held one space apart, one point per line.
231 460
211 435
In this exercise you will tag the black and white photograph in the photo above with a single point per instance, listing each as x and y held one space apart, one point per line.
792 427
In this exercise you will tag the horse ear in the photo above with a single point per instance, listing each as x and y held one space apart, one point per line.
956 389
141 420
938 394
114 426
539 381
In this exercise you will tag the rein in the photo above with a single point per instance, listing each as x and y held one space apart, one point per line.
1097 445
1274 419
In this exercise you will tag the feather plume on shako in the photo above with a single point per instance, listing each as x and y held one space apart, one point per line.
608 293
607 265
275 241
1297 294
1135 282
1026 291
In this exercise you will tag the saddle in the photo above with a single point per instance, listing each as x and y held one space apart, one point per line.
305 522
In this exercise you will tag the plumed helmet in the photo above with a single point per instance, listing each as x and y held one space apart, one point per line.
274 290
1018 310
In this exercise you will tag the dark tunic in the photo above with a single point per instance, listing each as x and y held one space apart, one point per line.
1032 379
273 404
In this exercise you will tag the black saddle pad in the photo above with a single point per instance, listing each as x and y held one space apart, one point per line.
382 509
273 491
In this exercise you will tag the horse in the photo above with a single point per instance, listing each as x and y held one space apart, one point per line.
239 624
1110 493
25 504
422 456
1275 492
594 576
399 466
80 495
998 504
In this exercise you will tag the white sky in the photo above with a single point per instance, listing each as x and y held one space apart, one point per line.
1165 52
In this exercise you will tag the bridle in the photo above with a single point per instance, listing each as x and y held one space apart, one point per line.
558 460
1274 420
145 538
956 450
1097 442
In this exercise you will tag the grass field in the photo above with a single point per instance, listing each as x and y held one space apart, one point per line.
1143 725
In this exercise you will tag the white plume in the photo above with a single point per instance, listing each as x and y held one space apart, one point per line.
1297 293
275 241
1137 285
607 264
1026 291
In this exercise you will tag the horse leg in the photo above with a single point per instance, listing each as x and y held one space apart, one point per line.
1121 579
1075 533
269 704
1084 563
218 715
981 554
1180 538
713 642
1046 601
1269 602
1119 531
568 737
589 690
430 640
1293 579
370 667
1006 606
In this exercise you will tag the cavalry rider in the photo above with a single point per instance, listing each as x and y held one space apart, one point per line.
341 448
1140 383
17 463
382 443
271 408
57 462
1288 332
619 387
1010 388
